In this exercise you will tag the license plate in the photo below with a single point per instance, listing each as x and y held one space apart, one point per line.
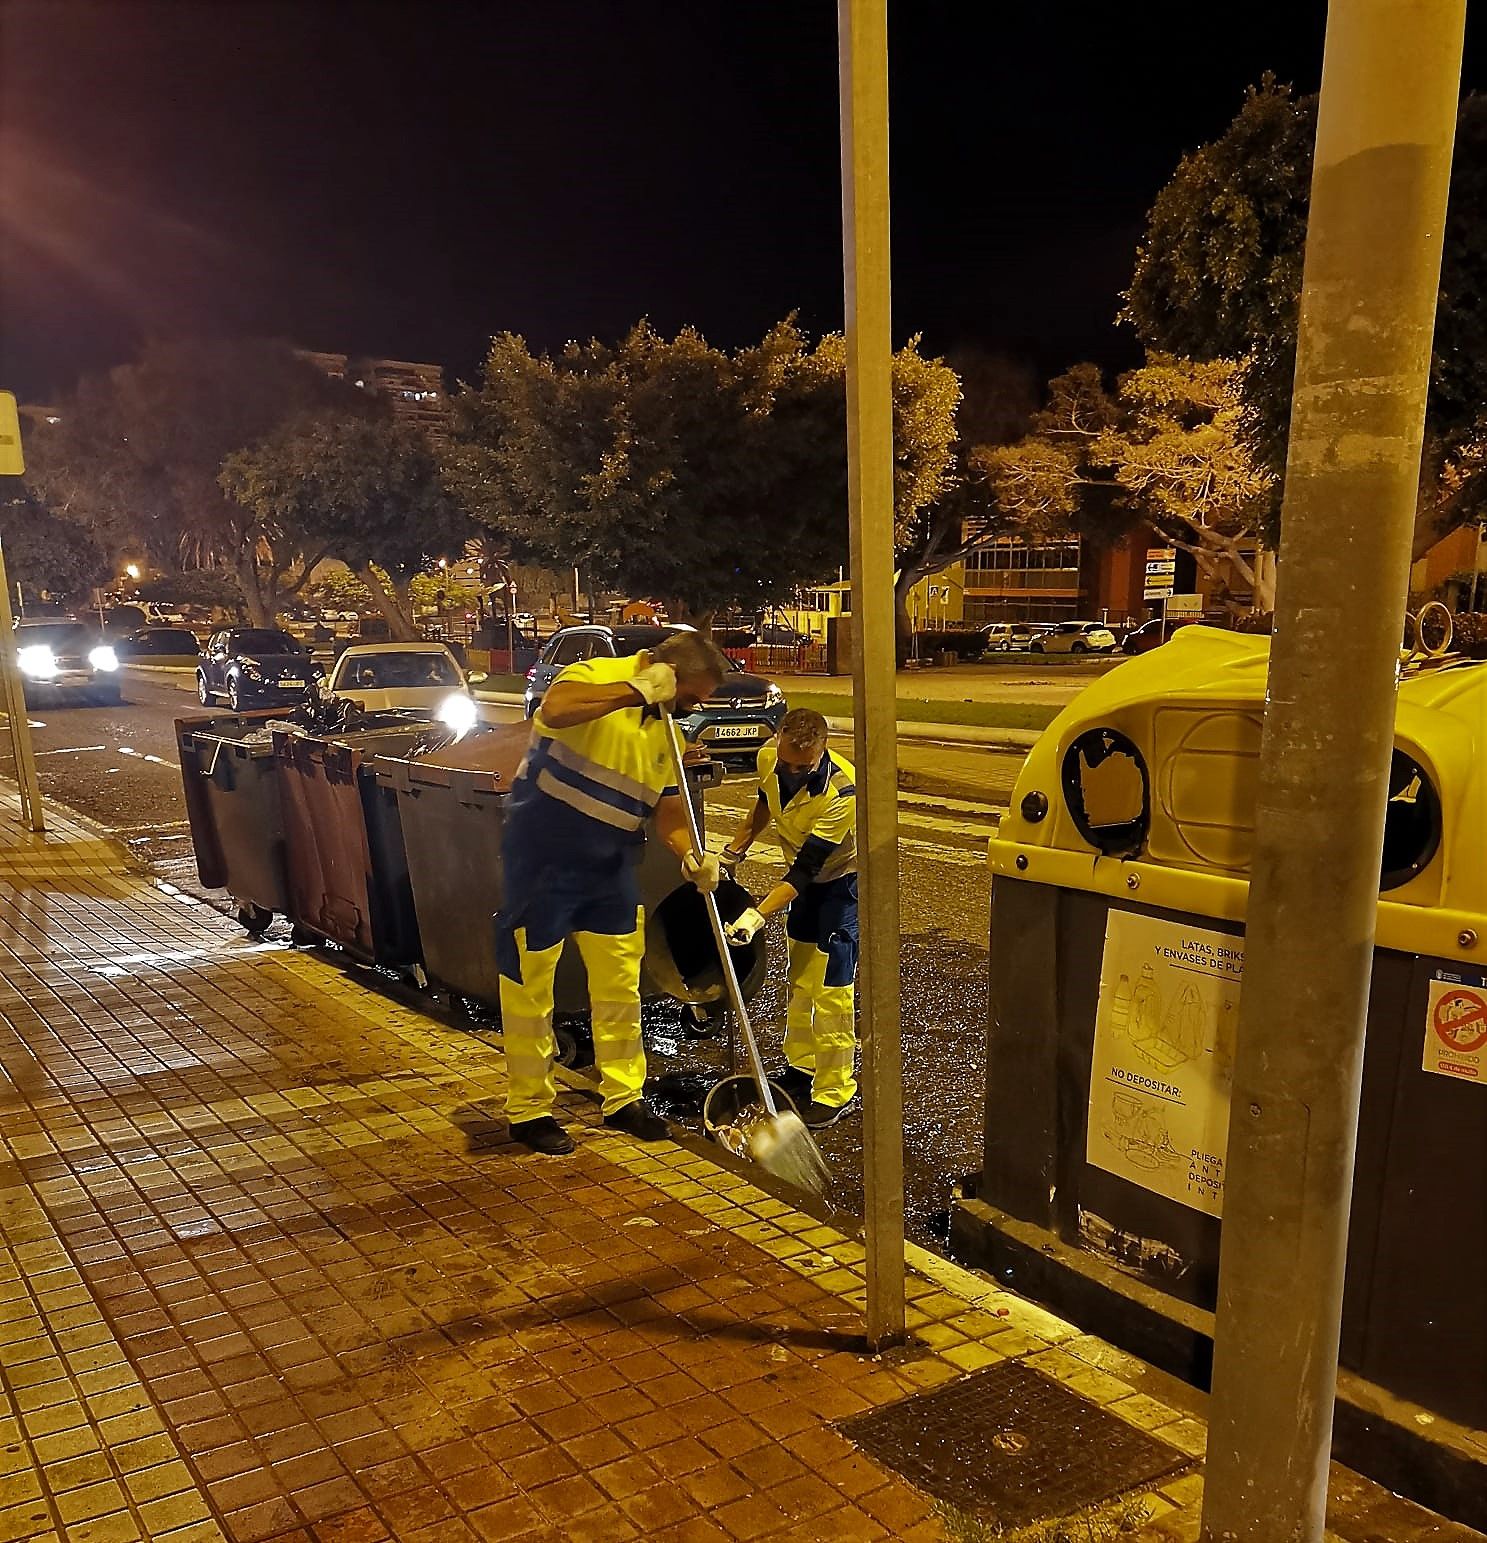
292 685
735 731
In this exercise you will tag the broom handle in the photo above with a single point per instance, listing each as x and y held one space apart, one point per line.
730 974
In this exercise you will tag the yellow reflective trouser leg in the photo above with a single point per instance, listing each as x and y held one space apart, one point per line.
613 966
836 1043
526 1029
807 973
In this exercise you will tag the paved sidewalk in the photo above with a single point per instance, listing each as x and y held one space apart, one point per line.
272 1272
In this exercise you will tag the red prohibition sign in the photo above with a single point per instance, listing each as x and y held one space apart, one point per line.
1461 1021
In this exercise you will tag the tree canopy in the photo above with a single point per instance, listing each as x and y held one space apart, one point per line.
1219 270
667 467
45 552
1163 451
137 452
363 489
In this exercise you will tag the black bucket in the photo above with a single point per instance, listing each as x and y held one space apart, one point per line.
729 1098
680 951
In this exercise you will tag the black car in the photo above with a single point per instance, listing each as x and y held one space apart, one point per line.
740 716
62 659
157 643
255 667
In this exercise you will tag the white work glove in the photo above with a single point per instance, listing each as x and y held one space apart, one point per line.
655 683
743 930
728 861
704 874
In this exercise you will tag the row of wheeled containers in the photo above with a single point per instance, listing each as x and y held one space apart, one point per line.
387 844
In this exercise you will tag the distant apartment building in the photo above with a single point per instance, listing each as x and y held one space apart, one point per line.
414 392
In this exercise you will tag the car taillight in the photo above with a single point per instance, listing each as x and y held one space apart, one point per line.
531 674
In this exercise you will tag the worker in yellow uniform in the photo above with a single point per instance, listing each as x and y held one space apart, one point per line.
808 794
597 768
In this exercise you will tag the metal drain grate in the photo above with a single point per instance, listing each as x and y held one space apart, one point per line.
1011 1445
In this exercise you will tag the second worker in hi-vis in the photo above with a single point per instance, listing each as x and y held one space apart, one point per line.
808 794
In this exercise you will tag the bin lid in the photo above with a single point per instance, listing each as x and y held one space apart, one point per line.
1151 774
485 760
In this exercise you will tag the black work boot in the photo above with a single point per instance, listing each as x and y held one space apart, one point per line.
819 1116
543 1134
639 1120
797 1084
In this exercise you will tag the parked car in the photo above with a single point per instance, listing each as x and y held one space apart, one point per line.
157 643
66 659
120 620
160 613
417 676
1152 634
1075 637
1004 637
740 716
255 667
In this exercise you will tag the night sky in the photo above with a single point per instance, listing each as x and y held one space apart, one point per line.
405 179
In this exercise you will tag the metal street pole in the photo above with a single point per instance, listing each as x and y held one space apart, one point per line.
1390 81
863 49
13 698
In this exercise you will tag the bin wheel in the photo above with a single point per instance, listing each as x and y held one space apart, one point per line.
253 919
302 937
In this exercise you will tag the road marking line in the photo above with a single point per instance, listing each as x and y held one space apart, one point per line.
71 750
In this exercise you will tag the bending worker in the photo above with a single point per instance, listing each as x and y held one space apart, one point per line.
810 797
597 767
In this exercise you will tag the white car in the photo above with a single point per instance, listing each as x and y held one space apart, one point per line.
1075 637
160 614
417 677
1003 637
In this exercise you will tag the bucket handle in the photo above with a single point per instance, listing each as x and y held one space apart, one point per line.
211 766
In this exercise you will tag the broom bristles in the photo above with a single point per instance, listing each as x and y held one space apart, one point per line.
784 1147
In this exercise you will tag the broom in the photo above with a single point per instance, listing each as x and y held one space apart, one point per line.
780 1142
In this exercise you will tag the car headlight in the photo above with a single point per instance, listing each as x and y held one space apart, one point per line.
774 697
103 658
317 672
38 661
252 672
458 712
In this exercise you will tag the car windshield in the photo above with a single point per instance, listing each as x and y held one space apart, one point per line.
60 634
396 672
259 640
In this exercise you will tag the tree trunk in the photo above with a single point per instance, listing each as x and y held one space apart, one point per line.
395 607
903 625
250 581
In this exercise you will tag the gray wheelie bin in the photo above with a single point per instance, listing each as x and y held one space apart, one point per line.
232 805
1120 880
451 806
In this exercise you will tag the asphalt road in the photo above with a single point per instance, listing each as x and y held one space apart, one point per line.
117 765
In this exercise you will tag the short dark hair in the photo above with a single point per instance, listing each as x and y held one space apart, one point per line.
692 654
803 729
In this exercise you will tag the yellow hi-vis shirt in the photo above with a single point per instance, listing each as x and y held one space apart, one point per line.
610 772
817 826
